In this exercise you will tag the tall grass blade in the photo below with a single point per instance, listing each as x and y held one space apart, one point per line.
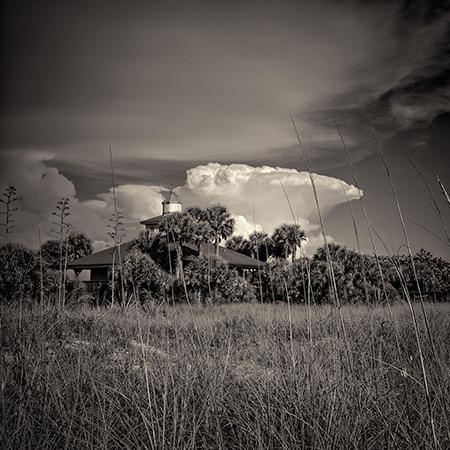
432 197
327 249
413 265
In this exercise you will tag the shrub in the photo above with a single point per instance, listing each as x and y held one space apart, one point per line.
143 277
19 269
281 278
20 276
433 274
348 273
275 276
155 246
210 280
78 245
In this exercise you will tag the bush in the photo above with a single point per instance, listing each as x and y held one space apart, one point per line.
276 276
19 273
78 245
433 274
281 278
143 277
20 277
348 273
156 247
210 280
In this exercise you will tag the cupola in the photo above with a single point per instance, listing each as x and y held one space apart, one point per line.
171 204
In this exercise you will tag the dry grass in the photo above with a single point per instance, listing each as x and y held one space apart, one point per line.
231 376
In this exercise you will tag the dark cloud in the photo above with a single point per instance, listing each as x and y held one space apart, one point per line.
179 80
95 178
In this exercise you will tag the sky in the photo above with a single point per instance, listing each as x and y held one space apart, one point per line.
197 95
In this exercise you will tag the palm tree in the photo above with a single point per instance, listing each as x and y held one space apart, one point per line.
195 228
221 223
286 238
171 227
197 213
260 245
239 244
181 228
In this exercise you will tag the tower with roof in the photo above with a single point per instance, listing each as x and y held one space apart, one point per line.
170 205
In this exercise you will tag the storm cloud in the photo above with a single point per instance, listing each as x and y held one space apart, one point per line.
190 80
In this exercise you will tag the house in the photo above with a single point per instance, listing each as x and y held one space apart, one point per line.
101 262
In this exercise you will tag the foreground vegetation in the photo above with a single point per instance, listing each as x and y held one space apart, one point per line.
147 274
222 376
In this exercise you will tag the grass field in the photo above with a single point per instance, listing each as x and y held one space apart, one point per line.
226 376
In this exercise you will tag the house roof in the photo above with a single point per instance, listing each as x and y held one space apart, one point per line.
152 221
100 259
233 258
104 258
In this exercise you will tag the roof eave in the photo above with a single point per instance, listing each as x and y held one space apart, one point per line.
88 266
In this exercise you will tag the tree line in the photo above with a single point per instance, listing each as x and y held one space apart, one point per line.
156 266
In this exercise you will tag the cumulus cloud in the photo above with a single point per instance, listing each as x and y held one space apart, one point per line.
256 193
40 187
242 227
253 195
